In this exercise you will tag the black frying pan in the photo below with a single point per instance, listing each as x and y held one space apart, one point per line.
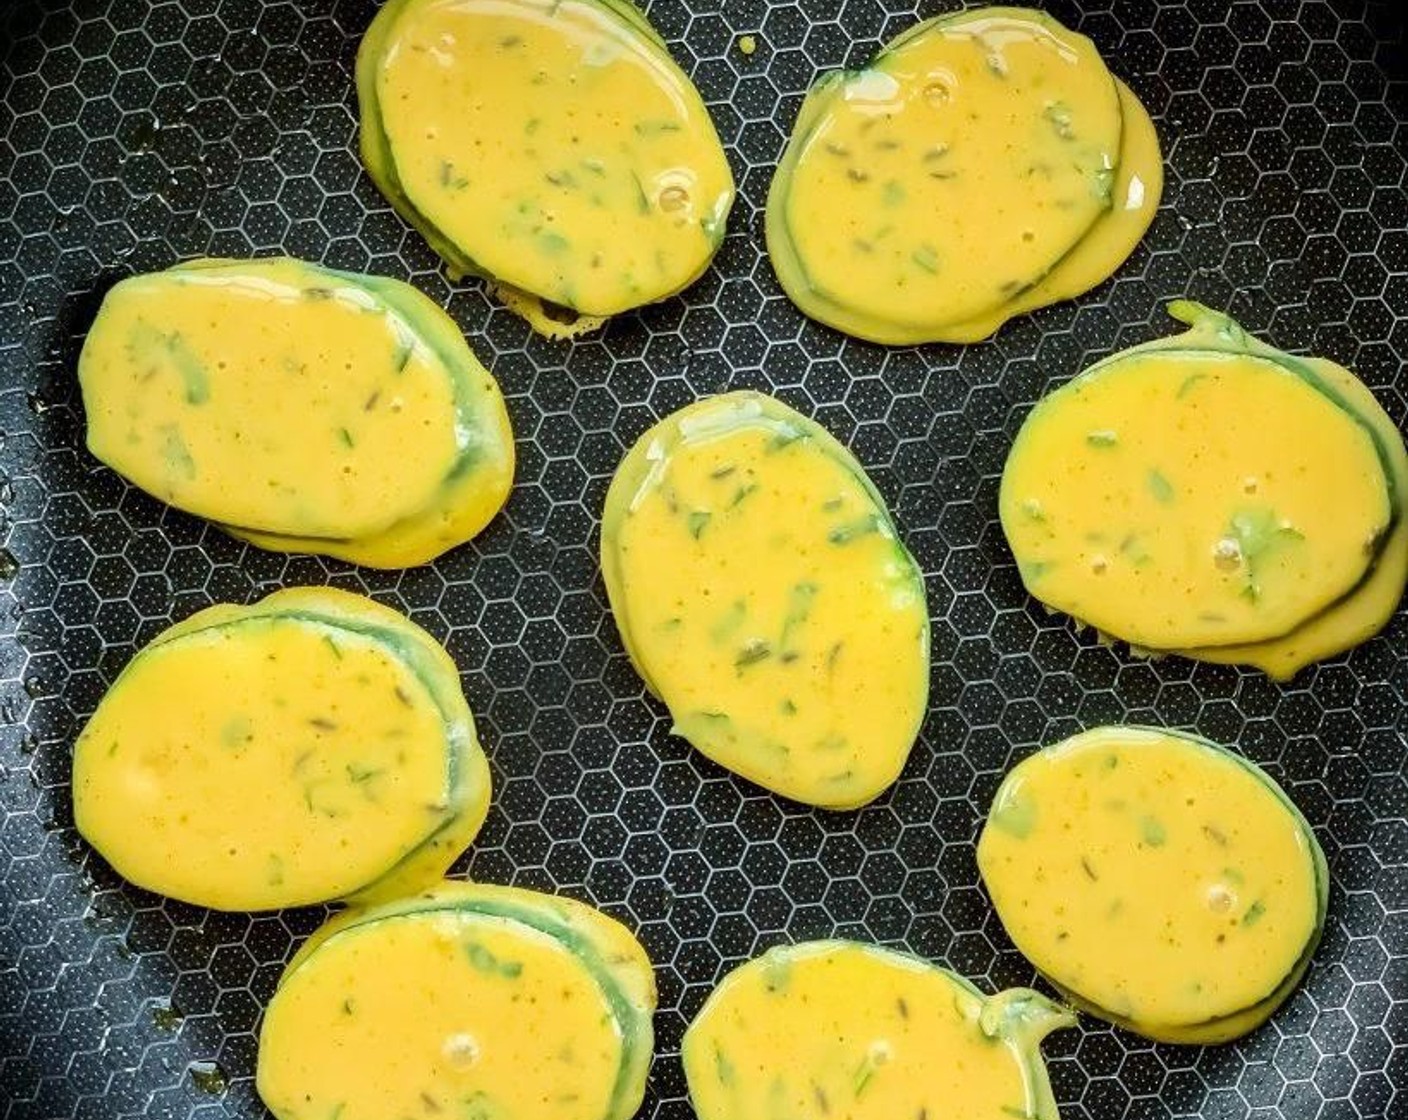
133 135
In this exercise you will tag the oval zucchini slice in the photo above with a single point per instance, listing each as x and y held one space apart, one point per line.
836 1028
1079 831
551 146
493 1002
1181 496
763 593
303 409
312 747
922 195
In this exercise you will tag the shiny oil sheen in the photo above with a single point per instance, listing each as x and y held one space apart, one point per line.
554 147
309 748
1156 878
848 1030
763 594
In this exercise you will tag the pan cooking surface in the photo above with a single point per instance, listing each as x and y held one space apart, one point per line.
133 135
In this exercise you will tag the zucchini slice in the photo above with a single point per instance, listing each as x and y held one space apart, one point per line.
312 747
1078 833
920 196
301 408
491 998
763 593
551 146
1193 494
837 1028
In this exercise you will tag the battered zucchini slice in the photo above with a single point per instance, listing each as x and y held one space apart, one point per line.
934 193
1161 882
302 408
1205 491
763 594
551 146
836 1028
311 747
491 1002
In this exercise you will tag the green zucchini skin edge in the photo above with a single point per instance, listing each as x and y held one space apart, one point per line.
1215 333
467 777
637 1031
750 409
1224 1028
820 305
1018 1016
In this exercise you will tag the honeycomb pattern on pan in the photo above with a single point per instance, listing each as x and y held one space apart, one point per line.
133 134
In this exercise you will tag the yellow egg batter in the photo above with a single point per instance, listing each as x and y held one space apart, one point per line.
762 592
550 145
1160 881
840 1029
312 747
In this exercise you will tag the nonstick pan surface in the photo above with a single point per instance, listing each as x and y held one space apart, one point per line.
133 135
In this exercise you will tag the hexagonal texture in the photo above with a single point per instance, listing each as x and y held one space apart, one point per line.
140 133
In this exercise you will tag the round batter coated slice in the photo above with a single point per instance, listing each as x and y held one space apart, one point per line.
608 948
312 747
763 594
301 408
1369 608
1186 495
466 1001
1078 833
836 1028
552 146
919 196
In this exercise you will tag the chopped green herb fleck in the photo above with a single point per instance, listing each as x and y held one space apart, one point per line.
332 645
346 437
323 724
722 472
1104 438
832 656
1103 185
450 179
403 696
656 128
1188 383
1159 487
927 258
1089 869
741 494
1254 913
349 1006
372 400
788 708
902 1007
785 436
1152 832
177 455
1216 835
191 369
893 193
508 42
862 526
799 607
642 199
723 1068
821 1102
698 522
552 242
730 621
754 651
484 960
531 125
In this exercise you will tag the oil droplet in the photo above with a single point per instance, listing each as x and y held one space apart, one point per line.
937 93
673 198
461 1050
167 1017
9 565
37 404
1098 564
1227 555
145 132
208 1077
29 744
747 44
34 686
